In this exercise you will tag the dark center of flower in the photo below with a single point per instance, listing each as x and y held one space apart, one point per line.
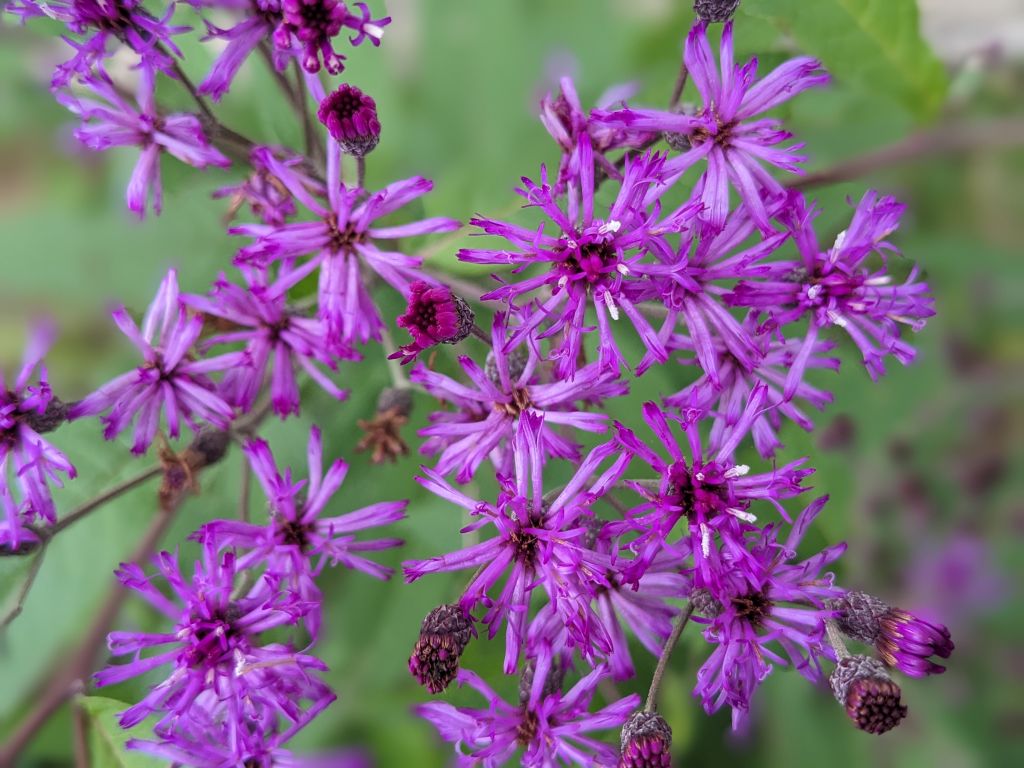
752 607
313 16
590 260
696 491
212 638
526 731
722 135
294 533
342 240
520 402
524 543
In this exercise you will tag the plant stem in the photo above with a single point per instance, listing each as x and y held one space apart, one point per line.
26 587
835 639
109 495
677 89
244 492
666 653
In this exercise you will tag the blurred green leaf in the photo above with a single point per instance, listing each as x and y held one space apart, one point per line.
875 43
107 739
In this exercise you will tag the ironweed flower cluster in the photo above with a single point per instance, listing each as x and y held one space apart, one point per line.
696 241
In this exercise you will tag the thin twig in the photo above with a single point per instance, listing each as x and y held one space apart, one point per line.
677 89
398 378
481 334
954 137
835 638
361 172
109 495
189 86
78 727
666 653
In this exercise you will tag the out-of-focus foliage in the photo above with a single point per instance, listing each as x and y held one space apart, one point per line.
923 469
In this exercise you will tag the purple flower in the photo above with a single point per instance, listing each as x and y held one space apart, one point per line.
342 241
434 315
550 732
490 407
212 735
261 18
28 462
100 21
297 543
587 261
169 379
267 197
704 486
691 280
726 129
758 603
540 541
565 120
736 382
351 118
276 337
640 609
109 121
214 647
836 287
311 25
903 639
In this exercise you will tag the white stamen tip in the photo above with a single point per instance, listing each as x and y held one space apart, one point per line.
836 319
610 303
840 239
813 292
610 226
705 540
622 269
700 477
373 31
563 281
742 515
739 470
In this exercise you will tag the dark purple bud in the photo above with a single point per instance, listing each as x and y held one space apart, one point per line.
872 699
444 635
903 640
715 11
351 117
434 315
646 742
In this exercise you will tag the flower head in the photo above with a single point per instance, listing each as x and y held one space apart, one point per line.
277 339
297 542
540 541
108 120
311 25
444 635
214 645
726 130
170 378
871 698
29 464
587 261
434 315
490 407
342 241
351 118
550 732
837 287
758 604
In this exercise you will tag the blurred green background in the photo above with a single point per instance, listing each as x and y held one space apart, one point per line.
924 468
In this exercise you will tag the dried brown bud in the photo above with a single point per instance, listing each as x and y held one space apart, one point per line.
871 698
646 741
56 413
384 431
180 469
705 604
444 635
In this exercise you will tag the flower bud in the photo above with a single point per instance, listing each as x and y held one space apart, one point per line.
714 11
384 431
517 359
902 639
434 315
705 604
444 635
872 699
646 741
552 683
351 117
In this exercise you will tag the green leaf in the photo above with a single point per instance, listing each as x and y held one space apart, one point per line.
107 738
876 44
